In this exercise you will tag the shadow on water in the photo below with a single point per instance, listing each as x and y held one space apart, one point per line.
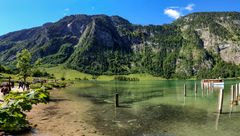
126 97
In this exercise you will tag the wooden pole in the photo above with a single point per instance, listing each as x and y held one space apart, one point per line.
232 94
239 91
236 92
236 95
117 100
196 88
220 101
217 121
185 90
203 86
207 91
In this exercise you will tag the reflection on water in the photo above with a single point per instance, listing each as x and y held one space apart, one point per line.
160 108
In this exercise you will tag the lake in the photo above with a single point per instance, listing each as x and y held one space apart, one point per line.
158 108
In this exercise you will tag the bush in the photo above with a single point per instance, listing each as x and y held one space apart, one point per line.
57 84
12 112
38 73
85 78
35 86
124 78
78 79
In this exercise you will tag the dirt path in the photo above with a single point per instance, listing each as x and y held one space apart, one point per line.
62 117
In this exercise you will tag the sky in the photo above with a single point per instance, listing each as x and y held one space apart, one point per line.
22 14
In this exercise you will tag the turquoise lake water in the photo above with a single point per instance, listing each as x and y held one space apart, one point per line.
159 108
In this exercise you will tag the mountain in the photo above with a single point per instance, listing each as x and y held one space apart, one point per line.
199 44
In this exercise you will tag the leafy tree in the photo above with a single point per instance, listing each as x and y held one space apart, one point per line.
169 65
24 63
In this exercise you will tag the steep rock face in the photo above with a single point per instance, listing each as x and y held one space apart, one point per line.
193 56
101 44
220 32
98 44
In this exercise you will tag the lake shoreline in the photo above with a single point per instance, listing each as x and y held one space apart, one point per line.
61 116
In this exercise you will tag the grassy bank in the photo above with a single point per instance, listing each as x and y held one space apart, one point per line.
69 74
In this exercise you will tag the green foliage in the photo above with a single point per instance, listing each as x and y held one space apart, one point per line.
24 63
220 70
169 65
224 70
124 78
39 73
85 78
12 112
61 56
4 69
49 85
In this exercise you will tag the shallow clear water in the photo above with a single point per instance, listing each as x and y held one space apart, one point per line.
159 108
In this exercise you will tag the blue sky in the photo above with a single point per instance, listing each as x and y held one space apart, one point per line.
20 14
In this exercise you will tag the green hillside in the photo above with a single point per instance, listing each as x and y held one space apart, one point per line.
197 45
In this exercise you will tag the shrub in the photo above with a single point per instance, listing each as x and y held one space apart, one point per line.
124 78
85 78
38 73
12 111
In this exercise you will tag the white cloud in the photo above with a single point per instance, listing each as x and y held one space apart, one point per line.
173 13
66 9
176 12
189 7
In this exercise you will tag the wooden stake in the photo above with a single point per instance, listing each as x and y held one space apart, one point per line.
196 88
185 90
202 86
239 91
232 94
236 92
220 101
117 100
236 95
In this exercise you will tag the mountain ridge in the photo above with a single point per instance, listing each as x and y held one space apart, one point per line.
101 44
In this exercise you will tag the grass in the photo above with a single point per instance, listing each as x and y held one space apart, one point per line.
69 74
60 71
13 77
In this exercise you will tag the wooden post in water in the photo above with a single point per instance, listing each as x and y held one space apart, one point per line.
196 88
203 87
239 91
232 95
220 101
117 100
207 90
236 92
185 90
236 95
